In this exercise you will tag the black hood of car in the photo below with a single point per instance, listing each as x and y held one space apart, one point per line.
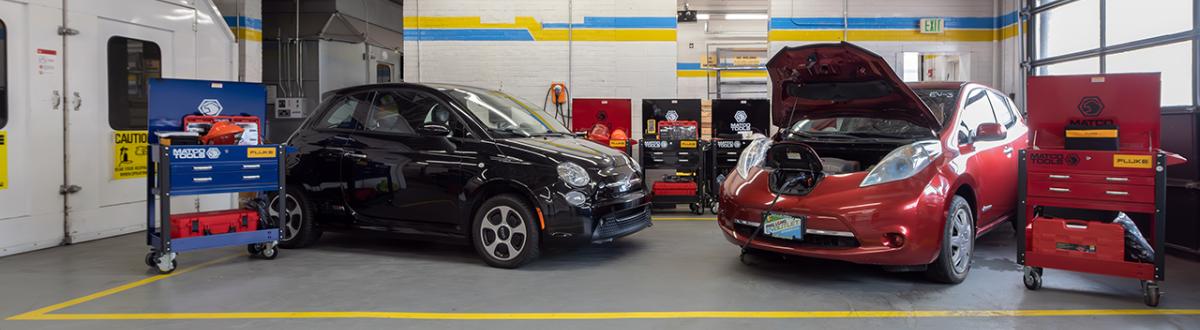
563 149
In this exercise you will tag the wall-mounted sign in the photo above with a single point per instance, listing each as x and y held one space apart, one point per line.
933 25
130 154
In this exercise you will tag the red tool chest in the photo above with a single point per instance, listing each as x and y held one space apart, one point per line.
1062 171
663 188
213 223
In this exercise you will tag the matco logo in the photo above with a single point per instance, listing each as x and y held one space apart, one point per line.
210 107
196 153
741 125
672 115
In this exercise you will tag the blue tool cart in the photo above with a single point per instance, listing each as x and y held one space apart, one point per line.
202 169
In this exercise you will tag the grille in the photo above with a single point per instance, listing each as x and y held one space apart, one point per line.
810 240
623 224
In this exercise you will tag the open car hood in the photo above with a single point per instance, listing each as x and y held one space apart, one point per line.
840 80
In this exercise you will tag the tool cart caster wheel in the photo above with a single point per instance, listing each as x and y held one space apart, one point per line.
1151 293
746 259
263 250
1033 278
150 259
696 209
164 263
713 209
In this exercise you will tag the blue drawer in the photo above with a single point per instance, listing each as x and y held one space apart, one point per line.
214 167
224 181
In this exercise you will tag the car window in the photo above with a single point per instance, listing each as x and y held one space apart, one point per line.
939 100
419 108
977 110
384 115
1004 114
346 112
504 114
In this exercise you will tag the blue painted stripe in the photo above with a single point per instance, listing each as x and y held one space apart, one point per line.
243 21
887 23
687 66
468 34
601 22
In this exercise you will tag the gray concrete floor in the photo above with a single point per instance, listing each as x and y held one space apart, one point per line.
673 266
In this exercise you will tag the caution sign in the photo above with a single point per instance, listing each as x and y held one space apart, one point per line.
130 154
3 160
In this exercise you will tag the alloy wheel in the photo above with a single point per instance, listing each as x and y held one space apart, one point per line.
961 240
295 216
503 233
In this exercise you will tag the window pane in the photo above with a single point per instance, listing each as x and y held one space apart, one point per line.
383 73
345 113
1084 66
385 115
1067 29
977 111
1174 61
3 75
1004 115
1130 20
131 63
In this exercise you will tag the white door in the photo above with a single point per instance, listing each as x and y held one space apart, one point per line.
110 61
31 208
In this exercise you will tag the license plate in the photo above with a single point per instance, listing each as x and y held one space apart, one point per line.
784 226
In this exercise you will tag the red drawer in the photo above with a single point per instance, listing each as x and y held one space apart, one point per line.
1079 239
1116 178
674 188
1092 191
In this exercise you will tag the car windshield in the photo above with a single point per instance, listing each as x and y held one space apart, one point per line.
942 101
504 114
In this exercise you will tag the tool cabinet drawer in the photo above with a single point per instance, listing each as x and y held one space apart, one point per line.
1092 191
1116 179
224 167
224 180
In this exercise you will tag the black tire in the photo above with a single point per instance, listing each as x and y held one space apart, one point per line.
1151 294
510 226
945 269
304 224
1033 278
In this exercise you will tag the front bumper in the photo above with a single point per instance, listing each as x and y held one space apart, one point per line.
845 222
597 221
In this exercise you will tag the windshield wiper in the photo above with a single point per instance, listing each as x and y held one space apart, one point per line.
879 135
549 133
512 131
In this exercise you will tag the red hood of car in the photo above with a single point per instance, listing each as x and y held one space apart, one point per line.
840 80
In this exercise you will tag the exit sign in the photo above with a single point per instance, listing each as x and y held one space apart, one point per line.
933 25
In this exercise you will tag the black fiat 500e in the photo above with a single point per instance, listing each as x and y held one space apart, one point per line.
460 163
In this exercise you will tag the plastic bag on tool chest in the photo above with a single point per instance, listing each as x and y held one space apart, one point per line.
1136 246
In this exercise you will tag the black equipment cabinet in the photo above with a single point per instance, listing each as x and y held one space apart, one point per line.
1181 134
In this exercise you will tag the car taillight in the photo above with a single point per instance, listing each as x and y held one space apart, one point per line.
893 240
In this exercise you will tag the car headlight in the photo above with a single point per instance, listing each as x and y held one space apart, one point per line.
753 156
903 163
573 174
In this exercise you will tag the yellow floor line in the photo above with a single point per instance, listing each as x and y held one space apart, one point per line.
621 315
683 219
36 314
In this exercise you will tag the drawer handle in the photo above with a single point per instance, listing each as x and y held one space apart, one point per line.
1059 176
1059 189
683 160
1117 193
1115 179
201 180
251 166
251 177
202 168
1076 226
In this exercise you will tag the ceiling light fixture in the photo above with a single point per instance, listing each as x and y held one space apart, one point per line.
733 17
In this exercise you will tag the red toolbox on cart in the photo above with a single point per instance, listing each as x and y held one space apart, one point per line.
664 188
213 223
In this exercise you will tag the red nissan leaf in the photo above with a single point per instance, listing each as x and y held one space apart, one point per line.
868 169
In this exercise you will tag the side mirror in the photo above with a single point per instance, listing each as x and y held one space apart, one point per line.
434 130
990 132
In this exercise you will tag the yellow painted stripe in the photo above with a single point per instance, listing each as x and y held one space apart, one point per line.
243 33
539 34
607 35
887 35
624 315
35 314
1092 133
727 74
683 219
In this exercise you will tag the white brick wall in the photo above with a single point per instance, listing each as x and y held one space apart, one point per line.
526 68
